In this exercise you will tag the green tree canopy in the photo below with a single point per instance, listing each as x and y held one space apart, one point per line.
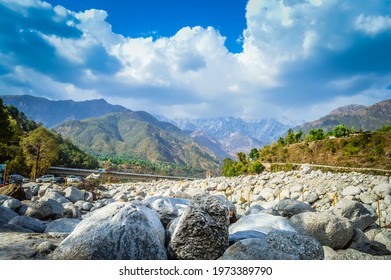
253 154
5 126
241 157
40 149
316 134
341 131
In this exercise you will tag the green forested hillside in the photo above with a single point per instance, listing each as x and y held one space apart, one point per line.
138 135
30 149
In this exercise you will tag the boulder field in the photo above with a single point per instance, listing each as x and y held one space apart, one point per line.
296 215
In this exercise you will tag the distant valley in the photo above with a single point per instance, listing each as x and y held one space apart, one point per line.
233 135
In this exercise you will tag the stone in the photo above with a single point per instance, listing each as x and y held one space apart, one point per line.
13 190
14 228
6 215
202 231
361 243
43 188
44 210
289 207
310 197
240 235
89 197
366 198
54 196
351 191
296 188
63 225
165 207
71 211
12 203
305 168
330 230
253 209
260 222
255 249
358 214
46 247
302 246
382 190
73 194
267 193
350 254
384 238
118 231
29 222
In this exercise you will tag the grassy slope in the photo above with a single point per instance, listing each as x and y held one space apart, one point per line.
372 151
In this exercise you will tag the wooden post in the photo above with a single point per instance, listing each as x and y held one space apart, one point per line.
302 195
379 211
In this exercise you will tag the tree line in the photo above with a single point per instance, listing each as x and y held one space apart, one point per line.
251 163
30 149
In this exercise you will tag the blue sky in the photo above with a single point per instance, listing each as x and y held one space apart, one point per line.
253 59
157 18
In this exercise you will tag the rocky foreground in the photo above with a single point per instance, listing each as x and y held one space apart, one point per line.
306 215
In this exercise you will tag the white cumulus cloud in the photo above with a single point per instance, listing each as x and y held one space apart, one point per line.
300 58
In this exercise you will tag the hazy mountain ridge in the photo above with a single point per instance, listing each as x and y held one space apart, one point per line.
361 117
235 134
54 112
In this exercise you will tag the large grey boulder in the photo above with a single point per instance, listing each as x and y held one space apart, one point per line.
289 207
255 249
73 194
261 222
202 231
42 210
117 231
330 230
54 196
6 215
29 223
358 214
302 246
12 203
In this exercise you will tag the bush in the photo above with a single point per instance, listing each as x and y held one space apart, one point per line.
257 167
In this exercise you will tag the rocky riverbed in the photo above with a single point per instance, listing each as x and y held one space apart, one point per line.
302 214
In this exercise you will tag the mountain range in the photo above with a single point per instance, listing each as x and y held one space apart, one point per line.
112 130
233 135
361 117
55 112
138 135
